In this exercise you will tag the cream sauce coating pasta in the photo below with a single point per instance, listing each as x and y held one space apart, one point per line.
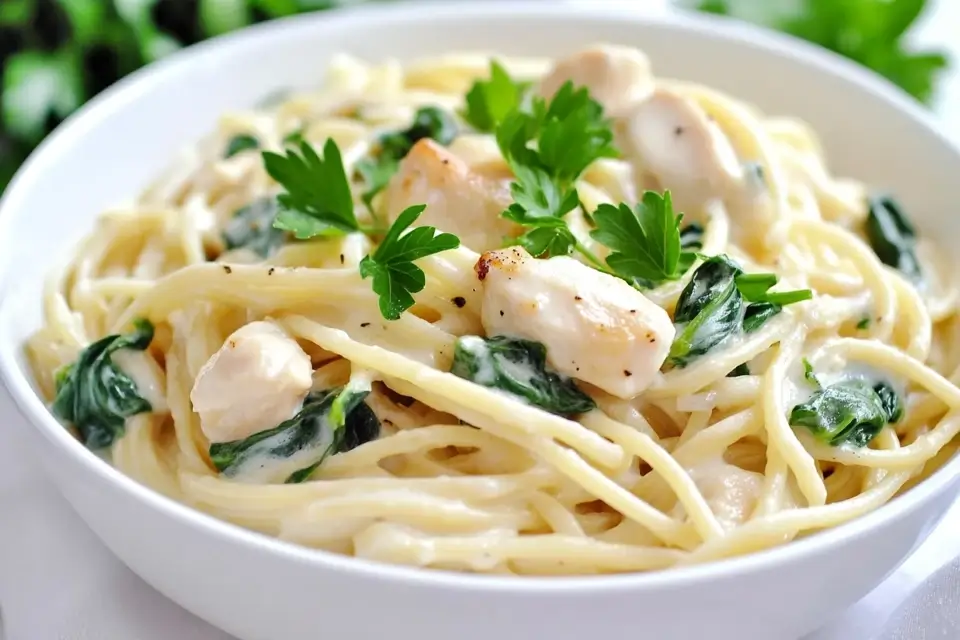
697 466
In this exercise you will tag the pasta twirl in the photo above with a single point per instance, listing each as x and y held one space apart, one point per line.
808 415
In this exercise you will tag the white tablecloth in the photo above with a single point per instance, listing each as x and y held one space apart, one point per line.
58 582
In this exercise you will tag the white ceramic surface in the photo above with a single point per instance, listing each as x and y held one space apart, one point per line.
257 588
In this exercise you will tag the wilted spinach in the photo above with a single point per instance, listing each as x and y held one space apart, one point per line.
851 412
330 422
720 302
740 370
691 237
252 228
519 368
240 143
95 395
893 237
377 169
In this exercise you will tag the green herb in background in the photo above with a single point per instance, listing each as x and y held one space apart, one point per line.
57 54
870 32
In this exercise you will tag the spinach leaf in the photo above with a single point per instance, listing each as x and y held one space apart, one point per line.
848 413
428 122
809 375
755 315
893 237
709 311
691 237
240 143
890 399
95 395
376 170
252 228
740 370
721 301
330 422
519 368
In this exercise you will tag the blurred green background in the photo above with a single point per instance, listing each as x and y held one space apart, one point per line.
57 54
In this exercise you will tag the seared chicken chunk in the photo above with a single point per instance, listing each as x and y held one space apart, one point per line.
670 138
257 379
596 327
461 200
616 76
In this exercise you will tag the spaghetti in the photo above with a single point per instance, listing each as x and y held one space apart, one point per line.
699 465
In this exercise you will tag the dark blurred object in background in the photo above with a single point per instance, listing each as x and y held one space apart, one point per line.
57 54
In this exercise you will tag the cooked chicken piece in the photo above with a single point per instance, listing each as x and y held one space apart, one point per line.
595 327
462 200
670 138
257 379
616 76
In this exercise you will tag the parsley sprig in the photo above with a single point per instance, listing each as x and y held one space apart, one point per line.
490 101
547 145
395 277
316 198
645 241
317 201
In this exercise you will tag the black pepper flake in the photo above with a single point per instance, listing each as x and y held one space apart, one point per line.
342 259
270 271
577 298
460 302
678 131
501 313
627 372
364 324
227 269
652 340
633 310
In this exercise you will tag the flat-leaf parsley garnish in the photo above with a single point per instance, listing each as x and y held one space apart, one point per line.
489 101
395 277
316 200
547 147
645 240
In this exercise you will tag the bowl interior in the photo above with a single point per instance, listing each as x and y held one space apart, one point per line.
109 151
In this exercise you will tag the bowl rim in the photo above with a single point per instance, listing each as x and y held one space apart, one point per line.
118 97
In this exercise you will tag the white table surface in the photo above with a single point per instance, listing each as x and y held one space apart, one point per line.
57 581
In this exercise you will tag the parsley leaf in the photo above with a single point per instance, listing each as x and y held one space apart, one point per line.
573 133
376 174
395 277
537 198
489 101
754 287
570 133
317 199
645 241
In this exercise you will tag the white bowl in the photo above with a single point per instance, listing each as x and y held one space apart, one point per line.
259 588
